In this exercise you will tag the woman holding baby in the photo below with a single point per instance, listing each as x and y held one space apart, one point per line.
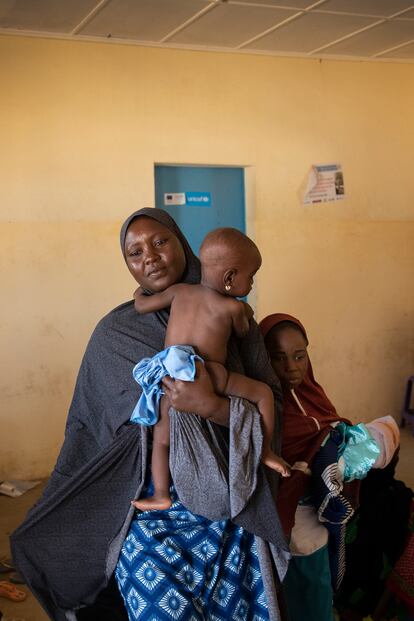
218 552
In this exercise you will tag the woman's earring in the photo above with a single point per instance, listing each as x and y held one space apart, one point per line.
227 287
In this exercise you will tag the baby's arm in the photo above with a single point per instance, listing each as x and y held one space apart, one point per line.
157 301
241 315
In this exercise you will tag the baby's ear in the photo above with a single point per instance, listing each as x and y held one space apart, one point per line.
228 277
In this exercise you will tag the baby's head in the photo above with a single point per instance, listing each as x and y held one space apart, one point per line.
229 261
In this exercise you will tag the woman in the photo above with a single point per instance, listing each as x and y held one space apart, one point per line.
307 422
70 544
312 442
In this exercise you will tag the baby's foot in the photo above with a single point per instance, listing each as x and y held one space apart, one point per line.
276 463
153 503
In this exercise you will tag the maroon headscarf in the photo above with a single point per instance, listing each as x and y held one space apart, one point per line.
301 438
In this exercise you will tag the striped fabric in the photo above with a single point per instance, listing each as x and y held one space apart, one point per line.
334 510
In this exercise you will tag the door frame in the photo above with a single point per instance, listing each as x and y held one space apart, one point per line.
249 194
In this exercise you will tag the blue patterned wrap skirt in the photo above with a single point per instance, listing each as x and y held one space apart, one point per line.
178 566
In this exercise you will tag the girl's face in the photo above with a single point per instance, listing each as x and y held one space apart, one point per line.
287 351
154 255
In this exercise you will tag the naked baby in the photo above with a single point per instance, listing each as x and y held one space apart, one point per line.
202 318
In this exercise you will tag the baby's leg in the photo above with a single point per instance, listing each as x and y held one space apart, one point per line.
218 375
159 464
261 395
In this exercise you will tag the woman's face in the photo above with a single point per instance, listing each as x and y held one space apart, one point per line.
287 350
154 255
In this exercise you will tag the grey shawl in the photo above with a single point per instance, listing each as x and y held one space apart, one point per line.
68 545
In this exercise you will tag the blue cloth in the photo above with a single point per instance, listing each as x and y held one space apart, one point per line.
175 565
177 361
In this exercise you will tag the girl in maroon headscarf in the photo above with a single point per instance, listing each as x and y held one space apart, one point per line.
309 420
308 414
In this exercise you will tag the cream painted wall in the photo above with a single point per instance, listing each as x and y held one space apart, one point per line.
81 126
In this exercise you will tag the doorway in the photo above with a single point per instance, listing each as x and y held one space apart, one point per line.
201 198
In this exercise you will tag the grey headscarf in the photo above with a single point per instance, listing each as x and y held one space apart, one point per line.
192 271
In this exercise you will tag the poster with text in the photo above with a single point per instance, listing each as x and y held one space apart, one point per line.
325 183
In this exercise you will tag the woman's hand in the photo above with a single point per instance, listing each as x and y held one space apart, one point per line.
198 397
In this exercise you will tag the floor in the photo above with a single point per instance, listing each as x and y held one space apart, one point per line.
13 510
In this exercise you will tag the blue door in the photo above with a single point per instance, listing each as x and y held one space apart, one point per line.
201 198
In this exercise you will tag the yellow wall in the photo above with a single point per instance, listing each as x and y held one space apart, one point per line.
81 126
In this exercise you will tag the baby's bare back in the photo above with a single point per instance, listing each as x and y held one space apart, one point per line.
203 318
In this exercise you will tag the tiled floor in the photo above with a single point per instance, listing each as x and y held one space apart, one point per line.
13 510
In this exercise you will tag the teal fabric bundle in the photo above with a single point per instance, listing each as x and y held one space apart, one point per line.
359 451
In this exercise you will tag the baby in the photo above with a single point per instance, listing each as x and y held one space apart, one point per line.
201 320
